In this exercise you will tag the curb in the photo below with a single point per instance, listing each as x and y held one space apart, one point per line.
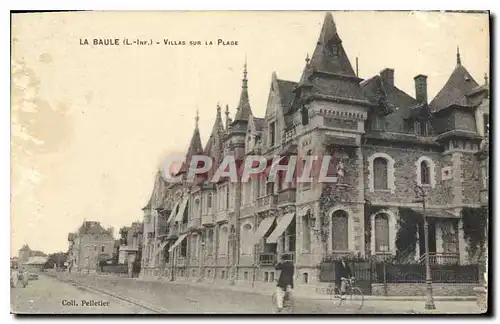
318 296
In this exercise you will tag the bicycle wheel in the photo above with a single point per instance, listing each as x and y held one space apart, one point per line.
275 303
356 298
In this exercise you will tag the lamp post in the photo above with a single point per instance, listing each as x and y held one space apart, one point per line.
420 197
202 262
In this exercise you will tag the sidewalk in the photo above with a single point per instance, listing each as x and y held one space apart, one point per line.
261 288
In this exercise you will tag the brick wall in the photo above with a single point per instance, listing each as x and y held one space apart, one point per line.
471 179
419 289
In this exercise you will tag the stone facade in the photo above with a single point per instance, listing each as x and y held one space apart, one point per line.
388 142
88 245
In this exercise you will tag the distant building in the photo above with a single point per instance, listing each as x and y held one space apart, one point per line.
25 253
128 252
36 264
88 245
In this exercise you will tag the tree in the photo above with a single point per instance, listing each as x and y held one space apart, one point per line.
57 259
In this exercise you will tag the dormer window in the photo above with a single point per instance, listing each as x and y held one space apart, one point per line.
378 123
305 116
272 134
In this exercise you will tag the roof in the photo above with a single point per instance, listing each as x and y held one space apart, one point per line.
92 227
397 103
37 260
286 93
195 147
456 90
243 111
25 247
259 123
329 55
156 200
214 146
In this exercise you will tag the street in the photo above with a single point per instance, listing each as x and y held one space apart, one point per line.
47 295
144 297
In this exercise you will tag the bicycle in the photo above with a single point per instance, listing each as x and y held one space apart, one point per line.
353 295
288 303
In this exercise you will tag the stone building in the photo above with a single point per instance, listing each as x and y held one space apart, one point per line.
384 141
25 253
88 245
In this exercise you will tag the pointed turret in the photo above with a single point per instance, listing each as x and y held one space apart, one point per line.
456 90
214 147
195 146
328 74
243 111
329 55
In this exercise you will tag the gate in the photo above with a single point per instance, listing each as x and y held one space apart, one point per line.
361 270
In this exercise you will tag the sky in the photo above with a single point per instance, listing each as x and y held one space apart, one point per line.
91 124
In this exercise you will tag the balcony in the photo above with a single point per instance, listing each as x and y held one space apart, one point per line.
267 259
208 219
287 196
194 223
288 256
221 216
266 202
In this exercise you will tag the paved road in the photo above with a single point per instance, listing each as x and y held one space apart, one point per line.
46 295
180 298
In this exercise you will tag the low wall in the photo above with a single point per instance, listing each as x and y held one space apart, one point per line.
419 289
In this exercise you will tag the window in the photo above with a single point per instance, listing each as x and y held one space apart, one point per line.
380 173
209 202
378 123
223 274
103 248
272 133
305 277
223 241
210 241
194 243
226 188
245 276
184 248
381 232
416 128
340 231
95 248
269 188
425 177
246 247
305 116
306 232
486 124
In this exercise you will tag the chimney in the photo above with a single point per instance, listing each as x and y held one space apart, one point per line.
388 79
421 88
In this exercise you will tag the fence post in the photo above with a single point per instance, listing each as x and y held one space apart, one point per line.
385 279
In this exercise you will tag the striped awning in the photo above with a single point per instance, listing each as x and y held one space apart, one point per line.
281 226
172 213
179 240
182 208
262 230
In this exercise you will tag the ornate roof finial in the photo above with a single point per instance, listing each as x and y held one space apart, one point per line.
307 59
197 118
227 110
485 78
245 73
459 61
218 107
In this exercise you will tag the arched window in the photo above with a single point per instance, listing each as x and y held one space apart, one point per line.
209 201
425 173
382 232
246 247
103 248
340 231
380 173
306 232
210 241
223 241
